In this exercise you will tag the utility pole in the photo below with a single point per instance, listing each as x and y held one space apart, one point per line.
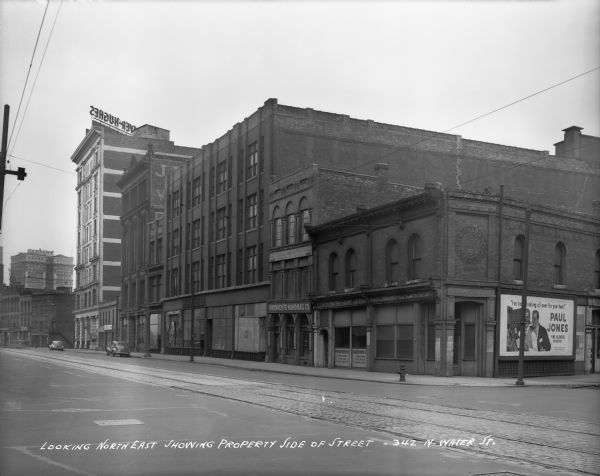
20 172
523 323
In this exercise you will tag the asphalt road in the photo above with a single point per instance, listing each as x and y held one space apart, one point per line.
73 413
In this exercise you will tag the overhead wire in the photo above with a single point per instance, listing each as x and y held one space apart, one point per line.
70 172
396 149
37 74
28 72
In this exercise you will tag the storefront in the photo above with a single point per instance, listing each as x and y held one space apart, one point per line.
290 332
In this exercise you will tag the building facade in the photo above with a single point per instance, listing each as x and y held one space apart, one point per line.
41 269
219 227
309 197
100 159
36 317
434 282
143 188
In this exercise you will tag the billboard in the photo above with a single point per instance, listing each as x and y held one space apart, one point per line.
549 327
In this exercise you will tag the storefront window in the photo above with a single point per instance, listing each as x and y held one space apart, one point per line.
385 341
289 328
342 337
359 337
404 341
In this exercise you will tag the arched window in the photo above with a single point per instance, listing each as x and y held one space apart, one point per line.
304 218
333 271
519 253
560 256
392 261
291 224
350 268
414 257
277 227
597 271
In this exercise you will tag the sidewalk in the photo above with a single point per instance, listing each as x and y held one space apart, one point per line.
572 381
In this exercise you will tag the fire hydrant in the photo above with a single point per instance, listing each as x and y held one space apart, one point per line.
402 373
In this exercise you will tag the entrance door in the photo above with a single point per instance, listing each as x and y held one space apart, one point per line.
325 340
596 350
465 338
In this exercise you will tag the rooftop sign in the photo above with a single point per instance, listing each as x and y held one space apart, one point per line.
111 121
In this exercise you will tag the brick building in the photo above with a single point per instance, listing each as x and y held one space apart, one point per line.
434 282
218 223
41 269
309 197
101 158
36 317
143 188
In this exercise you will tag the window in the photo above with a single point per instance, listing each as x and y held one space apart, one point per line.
518 257
252 160
196 191
342 337
196 276
597 271
176 242
333 271
392 261
404 341
221 177
560 253
174 282
414 257
251 264
385 341
350 281
221 223
252 211
176 203
221 271
277 228
304 218
196 233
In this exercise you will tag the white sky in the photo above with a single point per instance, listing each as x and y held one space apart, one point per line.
198 67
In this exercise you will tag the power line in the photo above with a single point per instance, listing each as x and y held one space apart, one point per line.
29 71
436 134
36 76
70 172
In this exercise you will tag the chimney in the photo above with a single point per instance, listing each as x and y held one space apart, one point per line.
570 146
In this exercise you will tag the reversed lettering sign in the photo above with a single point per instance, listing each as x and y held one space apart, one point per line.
111 121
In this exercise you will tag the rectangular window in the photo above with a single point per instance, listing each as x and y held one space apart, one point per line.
176 203
221 271
211 182
196 191
196 233
251 264
221 177
404 341
359 337
342 337
430 341
385 341
221 223
252 209
252 160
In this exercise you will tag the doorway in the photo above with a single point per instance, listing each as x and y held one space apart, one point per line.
466 348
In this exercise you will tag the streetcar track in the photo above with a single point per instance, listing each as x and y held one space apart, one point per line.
337 410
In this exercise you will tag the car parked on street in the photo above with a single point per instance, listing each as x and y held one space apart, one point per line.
56 345
118 348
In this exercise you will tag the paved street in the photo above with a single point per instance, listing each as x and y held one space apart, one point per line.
150 416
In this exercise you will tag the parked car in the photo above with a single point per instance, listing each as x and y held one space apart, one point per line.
118 348
56 345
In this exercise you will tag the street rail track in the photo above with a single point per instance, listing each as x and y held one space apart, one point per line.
557 444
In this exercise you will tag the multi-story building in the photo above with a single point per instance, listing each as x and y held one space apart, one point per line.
309 197
217 231
101 158
41 269
435 281
143 188
36 317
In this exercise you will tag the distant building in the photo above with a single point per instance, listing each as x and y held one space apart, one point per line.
101 158
35 317
41 269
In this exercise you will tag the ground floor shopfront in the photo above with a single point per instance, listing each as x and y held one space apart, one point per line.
86 330
291 333
454 330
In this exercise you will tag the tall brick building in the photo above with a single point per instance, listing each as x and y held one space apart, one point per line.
434 282
101 158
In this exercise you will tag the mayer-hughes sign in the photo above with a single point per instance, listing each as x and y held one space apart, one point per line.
111 120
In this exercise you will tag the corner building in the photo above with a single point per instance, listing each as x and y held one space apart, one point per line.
101 158
434 282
